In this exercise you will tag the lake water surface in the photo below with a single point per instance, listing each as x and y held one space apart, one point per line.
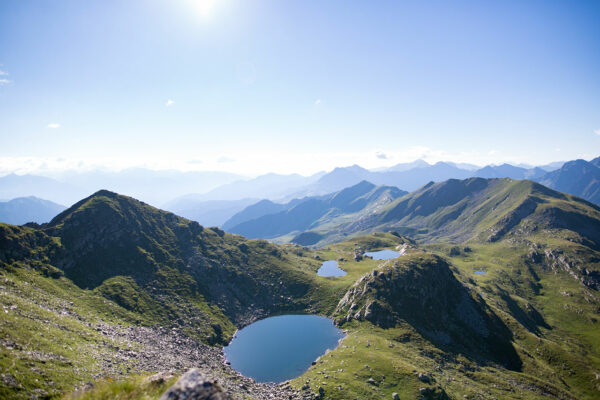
330 268
383 254
279 348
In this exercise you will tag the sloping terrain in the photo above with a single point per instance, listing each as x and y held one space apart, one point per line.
577 177
422 290
175 270
304 214
113 287
475 208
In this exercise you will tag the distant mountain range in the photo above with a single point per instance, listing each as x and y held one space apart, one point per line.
278 189
207 212
474 208
302 214
212 198
313 221
22 210
578 177
154 187
14 186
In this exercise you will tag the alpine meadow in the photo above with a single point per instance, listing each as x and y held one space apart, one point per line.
299 200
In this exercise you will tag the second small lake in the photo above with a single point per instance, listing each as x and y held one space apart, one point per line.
330 268
383 254
279 348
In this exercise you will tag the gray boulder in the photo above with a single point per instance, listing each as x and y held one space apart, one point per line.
193 385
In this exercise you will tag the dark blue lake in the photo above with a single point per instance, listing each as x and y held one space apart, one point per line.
480 272
280 348
330 268
383 254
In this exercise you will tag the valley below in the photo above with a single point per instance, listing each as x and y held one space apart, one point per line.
494 297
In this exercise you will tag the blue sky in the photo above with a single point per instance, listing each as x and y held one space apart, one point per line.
296 86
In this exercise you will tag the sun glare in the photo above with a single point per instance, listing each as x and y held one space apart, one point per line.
205 7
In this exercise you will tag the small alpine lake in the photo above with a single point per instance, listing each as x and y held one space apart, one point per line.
383 254
279 348
330 268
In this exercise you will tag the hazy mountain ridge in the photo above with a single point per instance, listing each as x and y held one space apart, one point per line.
22 210
301 214
578 177
458 210
207 212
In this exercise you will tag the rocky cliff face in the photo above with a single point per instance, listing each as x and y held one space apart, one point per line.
421 290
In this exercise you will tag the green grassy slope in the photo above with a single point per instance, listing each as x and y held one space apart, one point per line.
476 208
535 312
422 326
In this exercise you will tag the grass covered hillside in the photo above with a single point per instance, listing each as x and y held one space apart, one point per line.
510 319
110 262
499 301
168 269
476 208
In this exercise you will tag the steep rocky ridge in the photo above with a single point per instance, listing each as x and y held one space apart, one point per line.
421 290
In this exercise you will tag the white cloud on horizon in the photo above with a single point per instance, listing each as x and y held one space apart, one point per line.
381 156
169 103
53 125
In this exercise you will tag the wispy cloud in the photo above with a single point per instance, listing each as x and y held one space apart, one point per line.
382 156
225 159
53 126
169 103
597 131
318 102
4 81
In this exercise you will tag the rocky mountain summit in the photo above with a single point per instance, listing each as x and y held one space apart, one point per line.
420 289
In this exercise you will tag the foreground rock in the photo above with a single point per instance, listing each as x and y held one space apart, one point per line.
195 386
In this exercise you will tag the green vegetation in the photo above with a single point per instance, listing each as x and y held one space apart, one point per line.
422 326
552 322
133 388
456 211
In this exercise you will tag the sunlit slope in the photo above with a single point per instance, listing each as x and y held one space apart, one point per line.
480 209
426 324
160 265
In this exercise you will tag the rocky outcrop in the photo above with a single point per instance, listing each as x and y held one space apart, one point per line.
513 218
422 290
558 261
193 385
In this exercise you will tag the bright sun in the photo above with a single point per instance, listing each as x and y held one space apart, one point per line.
204 7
